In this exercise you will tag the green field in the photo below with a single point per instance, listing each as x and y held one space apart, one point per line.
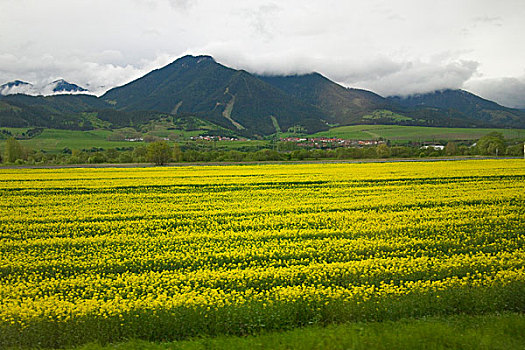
53 140
503 332
414 133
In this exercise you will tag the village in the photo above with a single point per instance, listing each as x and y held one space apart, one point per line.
329 142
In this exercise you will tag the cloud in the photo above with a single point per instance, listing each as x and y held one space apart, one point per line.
97 77
18 88
419 77
175 4
494 20
262 18
386 47
182 4
379 73
509 92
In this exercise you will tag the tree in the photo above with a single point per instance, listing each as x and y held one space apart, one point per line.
177 153
139 154
125 157
382 151
451 149
150 138
159 152
491 144
96 158
112 155
515 150
13 150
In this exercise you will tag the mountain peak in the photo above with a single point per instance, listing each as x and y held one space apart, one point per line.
231 98
61 86
448 98
194 59
204 58
58 86
15 83
15 87
241 101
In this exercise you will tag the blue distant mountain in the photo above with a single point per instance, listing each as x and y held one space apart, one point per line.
16 87
59 86
63 86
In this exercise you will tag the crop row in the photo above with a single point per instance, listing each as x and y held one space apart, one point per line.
165 253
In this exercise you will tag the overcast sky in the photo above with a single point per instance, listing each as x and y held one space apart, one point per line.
387 46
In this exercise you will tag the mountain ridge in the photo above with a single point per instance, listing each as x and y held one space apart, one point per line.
15 87
345 105
60 85
56 87
466 103
252 105
231 98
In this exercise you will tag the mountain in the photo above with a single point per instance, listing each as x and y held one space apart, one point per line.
59 103
463 105
60 111
72 112
87 112
56 87
343 105
459 100
16 87
234 99
244 103
62 86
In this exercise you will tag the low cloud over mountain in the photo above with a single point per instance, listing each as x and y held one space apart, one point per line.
391 48
59 86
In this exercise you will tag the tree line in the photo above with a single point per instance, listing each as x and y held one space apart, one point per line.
162 152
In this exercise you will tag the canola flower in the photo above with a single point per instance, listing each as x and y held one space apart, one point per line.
167 253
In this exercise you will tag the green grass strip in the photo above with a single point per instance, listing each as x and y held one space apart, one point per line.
494 331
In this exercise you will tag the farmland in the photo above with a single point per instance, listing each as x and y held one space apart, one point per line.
399 133
54 140
170 253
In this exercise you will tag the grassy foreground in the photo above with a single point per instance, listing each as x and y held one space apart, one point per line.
505 331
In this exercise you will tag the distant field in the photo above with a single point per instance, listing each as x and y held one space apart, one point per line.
415 133
55 140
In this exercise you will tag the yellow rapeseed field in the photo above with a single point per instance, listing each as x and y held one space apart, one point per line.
168 253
